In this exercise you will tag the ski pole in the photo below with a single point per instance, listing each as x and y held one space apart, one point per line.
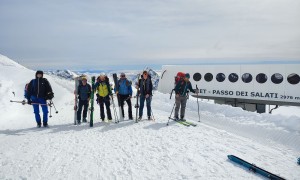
50 105
115 111
152 115
171 94
198 103
24 102
51 102
171 114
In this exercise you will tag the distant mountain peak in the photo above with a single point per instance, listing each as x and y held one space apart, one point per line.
66 74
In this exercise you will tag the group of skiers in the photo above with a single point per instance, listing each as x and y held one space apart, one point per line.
39 90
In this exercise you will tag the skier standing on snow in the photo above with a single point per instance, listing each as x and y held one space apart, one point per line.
103 92
38 92
125 94
181 90
145 87
84 93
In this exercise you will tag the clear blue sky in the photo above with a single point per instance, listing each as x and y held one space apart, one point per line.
93 34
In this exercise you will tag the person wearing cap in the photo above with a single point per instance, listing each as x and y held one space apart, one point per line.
145 87
38 92
84 93
125 94
181 90
103 92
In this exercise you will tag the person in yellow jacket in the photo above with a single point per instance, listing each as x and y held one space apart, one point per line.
103 92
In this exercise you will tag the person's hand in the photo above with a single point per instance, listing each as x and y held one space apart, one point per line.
117 92
23 102
147 95
29 101
197 91
88 99
177 95
50 95
129 97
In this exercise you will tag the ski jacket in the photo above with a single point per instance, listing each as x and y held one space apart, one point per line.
182 88
84 92
145 86
103 88
39 88
124 87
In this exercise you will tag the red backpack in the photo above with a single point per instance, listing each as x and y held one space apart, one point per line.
179 77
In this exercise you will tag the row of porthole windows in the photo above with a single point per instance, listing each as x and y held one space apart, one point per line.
276 78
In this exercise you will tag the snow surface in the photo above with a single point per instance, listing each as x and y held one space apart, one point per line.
145 150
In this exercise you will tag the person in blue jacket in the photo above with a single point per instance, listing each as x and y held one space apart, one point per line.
181 90
125 94
38 92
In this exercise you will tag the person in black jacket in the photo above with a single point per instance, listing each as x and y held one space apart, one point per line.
145 88
84 93
38 92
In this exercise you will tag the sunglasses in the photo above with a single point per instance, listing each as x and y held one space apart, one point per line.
122 75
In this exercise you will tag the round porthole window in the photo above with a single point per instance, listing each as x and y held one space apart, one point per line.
197 77
277 78
247 77
293 78
208 77
261 78
233 77
220 77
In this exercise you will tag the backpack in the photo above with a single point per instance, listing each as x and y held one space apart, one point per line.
26 91
179 77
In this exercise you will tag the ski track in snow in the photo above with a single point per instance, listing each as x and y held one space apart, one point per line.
144 150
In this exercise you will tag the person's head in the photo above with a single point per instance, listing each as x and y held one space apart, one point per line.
145 74
102 77
187 77
84 80
122 75
39 74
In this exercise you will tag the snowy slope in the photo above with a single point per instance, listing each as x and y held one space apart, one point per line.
146 150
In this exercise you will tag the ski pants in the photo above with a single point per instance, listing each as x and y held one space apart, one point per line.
104 100
126 98
36 109
148 103
180 101
84 104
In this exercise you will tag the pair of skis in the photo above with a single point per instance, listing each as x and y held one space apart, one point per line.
183 122
115 77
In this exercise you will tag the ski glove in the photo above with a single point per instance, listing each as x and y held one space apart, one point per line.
50 96
29 101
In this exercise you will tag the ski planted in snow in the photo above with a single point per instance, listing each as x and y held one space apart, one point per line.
254 168
137 106
92 102
77 79
115 77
